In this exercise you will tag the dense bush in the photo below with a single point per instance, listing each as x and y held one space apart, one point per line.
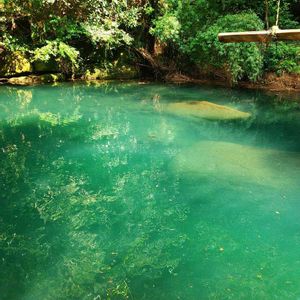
66 56
192 29
282 57
94 33
243 60
166 28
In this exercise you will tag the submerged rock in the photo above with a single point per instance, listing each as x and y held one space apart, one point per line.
229 162
206 110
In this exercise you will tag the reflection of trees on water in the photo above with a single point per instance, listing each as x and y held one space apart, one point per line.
83 214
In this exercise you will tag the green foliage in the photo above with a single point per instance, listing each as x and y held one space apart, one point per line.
12 43
283 57
166 28
241 60
192 29
65 55
100 30
201 45
108 35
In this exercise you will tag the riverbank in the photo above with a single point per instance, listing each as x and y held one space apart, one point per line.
270 82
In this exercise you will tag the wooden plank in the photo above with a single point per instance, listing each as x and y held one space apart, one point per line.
241 37
288 35
260 36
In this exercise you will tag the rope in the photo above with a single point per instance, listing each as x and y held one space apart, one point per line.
278 12
267 13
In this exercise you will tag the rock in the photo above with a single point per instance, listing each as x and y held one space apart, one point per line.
36 79
95 74
229 162
15 63
121 68
123 72
205 110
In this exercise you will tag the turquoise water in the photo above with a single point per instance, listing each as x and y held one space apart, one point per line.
106 193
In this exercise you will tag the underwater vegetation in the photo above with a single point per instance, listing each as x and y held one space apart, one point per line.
106 194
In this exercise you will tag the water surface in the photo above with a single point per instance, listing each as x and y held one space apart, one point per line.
105 194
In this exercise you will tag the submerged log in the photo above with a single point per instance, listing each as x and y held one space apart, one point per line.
260 36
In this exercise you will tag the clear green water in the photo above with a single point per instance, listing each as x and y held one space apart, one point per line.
105 195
